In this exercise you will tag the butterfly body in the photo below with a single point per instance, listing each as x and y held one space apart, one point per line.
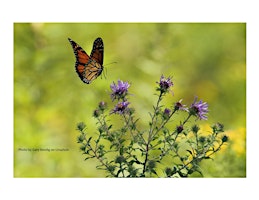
87 67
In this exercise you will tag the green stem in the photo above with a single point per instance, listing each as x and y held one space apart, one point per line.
100 158
150 133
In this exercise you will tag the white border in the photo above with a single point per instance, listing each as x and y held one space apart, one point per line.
126 11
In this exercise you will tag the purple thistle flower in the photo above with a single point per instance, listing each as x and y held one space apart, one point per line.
199 109
120 108
119 91
164 84
179 106
166 113
179 128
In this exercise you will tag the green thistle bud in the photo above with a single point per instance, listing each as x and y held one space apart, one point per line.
224 138
81 126
96 113
195 128
119 159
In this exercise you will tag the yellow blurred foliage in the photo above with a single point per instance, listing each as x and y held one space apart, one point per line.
237 139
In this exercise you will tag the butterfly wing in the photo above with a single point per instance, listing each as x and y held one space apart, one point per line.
97 52
95 68
82 59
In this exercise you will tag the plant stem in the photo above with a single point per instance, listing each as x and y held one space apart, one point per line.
150 133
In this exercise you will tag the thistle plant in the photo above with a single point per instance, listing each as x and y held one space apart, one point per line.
165 148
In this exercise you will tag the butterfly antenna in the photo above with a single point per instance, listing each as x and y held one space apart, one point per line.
105 69
105 73
110 63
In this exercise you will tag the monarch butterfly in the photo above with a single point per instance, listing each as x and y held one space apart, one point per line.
88 68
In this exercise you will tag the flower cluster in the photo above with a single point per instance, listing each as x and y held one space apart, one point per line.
119 92
100 110
130 151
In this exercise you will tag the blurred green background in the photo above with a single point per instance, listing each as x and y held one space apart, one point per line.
205 59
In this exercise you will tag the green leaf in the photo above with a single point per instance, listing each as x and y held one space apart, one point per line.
190 151
135 161
153 171
121 150
88 141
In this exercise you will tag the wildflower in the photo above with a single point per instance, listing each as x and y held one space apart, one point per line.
81 138
119 91
164 84
81 126
199 109
179 128
195 128
202 139
168 172
218 127
120 159
224 138
121 107
131 111
151 164
166 113
102 105
96 113
179 106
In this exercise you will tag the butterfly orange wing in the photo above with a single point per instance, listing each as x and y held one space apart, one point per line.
88 68
82 59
